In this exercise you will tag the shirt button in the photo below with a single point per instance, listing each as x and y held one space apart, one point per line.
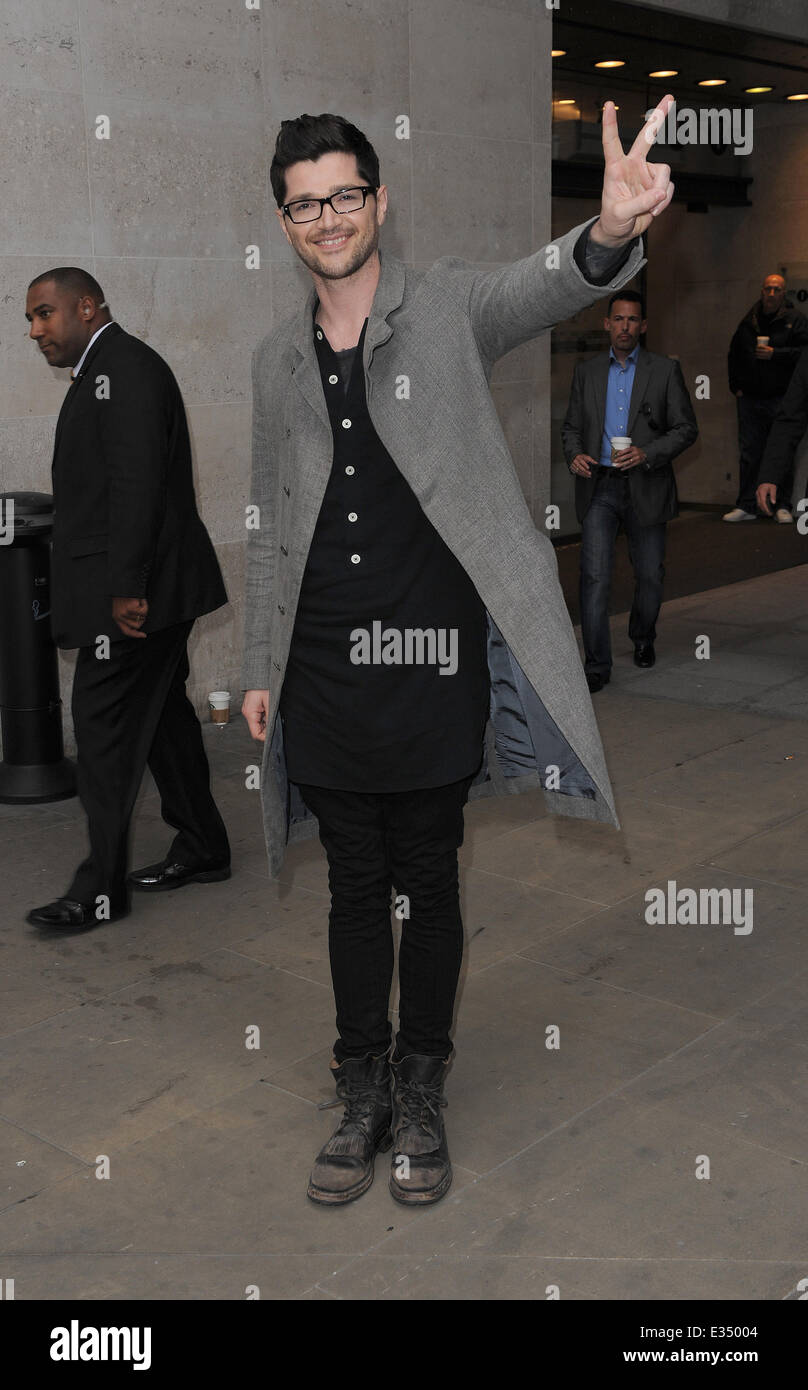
332 380
352 516
319 334
346 424
355 559
350 470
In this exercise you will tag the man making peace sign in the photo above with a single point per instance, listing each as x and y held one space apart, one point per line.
407 643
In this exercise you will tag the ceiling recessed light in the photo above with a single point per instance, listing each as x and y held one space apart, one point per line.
611 63
758 89
665 72
798 96
714 82
557 52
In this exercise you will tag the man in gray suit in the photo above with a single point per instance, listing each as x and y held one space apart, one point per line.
407 644
631 394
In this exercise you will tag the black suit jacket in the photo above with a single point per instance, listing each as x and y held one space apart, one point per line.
790 424
661 422
125 521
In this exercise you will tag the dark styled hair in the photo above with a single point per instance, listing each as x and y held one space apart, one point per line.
633 298
309 137
76 281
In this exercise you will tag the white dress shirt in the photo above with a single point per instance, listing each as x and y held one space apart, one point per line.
98 331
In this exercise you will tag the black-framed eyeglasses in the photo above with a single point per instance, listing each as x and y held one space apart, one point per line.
345 200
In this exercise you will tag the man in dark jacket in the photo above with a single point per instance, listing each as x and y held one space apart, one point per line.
789 425
630 393
133 566
762 357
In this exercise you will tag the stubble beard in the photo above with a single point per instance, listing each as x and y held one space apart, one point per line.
363 248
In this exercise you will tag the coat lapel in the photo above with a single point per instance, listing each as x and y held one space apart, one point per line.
77 385
389 296
306 369
600 379
641 375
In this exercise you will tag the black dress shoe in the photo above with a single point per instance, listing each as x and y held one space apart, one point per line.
159 878
644 654
596 681
68 912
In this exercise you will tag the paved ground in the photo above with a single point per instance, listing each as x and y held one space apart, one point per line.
575 1166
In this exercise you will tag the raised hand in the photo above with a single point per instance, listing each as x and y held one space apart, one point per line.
634 191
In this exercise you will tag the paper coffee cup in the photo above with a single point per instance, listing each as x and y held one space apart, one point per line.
762 342
219 701
619 443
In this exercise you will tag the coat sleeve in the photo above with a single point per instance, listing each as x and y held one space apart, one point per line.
682 427
573 426
517 302
799 340
134 432
261 546
790 424
735 359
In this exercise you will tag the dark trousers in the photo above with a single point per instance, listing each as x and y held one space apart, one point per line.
755 419
610 509
374 841
129 710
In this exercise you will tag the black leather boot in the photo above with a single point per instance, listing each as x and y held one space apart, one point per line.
421 1171
343 1169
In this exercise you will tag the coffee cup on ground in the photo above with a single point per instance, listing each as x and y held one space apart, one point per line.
219 701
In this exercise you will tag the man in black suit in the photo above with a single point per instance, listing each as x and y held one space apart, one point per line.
132 567
763 354
631 394
788 427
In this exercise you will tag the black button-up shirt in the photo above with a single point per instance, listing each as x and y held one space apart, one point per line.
376 559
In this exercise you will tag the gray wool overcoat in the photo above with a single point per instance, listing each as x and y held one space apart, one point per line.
432 339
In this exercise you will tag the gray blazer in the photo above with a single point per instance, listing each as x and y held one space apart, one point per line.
432 339
660 421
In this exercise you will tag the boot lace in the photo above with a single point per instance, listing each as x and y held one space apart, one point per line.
419 1104
360 1099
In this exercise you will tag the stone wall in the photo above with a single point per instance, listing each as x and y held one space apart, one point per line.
162 211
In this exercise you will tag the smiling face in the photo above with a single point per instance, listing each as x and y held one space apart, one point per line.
625 326
339 243
62 322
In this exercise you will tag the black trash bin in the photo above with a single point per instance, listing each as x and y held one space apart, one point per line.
34 767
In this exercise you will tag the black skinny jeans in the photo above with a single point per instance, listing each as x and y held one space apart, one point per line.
375 841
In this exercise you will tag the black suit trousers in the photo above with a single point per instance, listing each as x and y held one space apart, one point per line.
130 710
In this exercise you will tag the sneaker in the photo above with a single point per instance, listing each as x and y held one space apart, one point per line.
783 515
738 514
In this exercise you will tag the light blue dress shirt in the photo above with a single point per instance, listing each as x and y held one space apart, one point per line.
618 399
